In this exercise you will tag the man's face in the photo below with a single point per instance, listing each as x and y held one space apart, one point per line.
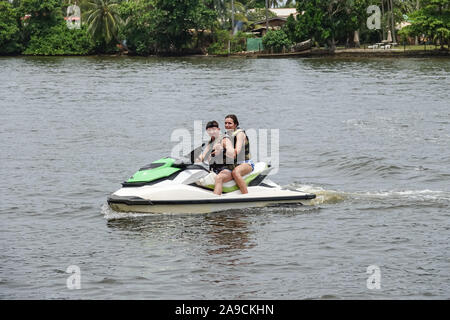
213 132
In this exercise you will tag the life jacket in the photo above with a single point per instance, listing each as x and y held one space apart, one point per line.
245 151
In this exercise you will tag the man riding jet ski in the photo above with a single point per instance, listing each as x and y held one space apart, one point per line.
171 185
177 186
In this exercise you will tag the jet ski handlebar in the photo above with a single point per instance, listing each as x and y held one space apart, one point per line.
185 163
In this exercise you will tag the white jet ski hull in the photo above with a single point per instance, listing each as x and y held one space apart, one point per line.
195 208
175 198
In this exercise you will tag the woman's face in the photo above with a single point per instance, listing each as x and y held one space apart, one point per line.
229 124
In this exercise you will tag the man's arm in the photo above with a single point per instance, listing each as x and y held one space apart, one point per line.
202 156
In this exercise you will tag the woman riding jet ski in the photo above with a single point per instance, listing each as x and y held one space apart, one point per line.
229 155
177 186
182 186
241 163
221 156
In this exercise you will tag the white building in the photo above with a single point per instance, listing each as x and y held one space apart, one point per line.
284 12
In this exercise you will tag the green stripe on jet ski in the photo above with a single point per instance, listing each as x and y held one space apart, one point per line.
148 175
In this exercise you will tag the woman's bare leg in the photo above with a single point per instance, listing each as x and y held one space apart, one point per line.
221 178
240 171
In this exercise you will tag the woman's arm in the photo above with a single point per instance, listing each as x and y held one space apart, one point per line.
239 143
229 148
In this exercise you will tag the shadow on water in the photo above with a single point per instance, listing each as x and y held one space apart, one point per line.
218 233
228 232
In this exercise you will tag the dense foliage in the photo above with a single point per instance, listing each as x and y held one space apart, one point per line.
225 43
276 40
59 40
144 27
37 27
176 19
10 42
103 20
139 26
327 21
431 20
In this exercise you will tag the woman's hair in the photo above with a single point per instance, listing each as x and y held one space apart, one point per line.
235 119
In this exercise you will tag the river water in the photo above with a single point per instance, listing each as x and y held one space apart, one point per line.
371 137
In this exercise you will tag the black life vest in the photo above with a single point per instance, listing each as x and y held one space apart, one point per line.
243 155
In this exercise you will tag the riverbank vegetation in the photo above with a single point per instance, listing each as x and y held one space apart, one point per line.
330 23
167 27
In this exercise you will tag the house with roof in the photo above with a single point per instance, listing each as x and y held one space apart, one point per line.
274 22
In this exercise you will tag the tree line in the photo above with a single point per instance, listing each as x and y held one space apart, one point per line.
144 27
344 22
37 27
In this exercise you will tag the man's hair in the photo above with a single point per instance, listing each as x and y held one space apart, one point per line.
212 124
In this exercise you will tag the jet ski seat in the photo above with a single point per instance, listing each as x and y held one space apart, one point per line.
260 171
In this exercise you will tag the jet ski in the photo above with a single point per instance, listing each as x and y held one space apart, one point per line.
171 185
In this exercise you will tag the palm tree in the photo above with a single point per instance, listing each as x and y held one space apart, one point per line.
103 19
231 10
289 4
221 8
275 3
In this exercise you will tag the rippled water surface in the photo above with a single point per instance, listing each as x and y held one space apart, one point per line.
371 137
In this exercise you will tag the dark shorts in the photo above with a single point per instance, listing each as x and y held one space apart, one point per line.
218 169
